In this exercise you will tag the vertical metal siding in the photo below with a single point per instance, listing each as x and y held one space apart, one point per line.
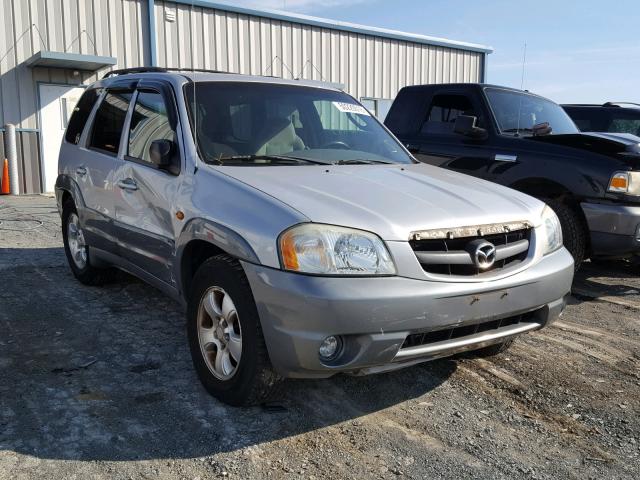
201 37
115 28
367 65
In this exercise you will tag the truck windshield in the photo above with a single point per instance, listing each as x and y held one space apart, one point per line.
518 113
245 123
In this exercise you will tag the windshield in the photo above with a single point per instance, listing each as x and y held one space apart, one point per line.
518 113
243 122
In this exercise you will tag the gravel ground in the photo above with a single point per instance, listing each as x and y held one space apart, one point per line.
97 383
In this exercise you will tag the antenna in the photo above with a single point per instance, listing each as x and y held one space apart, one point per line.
524 61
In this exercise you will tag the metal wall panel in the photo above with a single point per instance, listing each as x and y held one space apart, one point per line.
116 28
368 66
199 36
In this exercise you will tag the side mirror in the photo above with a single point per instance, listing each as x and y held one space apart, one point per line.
160 153
466 125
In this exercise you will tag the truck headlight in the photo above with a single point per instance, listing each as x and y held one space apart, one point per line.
625 182
552 229
328 250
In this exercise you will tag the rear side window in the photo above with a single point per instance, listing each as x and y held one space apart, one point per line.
80 115
149 122
109 121
443 111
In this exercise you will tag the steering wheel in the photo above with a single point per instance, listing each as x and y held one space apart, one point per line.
337 143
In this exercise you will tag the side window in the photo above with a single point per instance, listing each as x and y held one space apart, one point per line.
109 121
443 111
149 122
80 116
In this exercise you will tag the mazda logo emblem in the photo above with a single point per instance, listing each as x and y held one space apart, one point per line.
483 254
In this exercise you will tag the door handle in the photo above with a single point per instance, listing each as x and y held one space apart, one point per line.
503 157
127 184
82 171
412 147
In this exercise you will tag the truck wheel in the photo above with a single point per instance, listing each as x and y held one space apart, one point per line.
227 347
574 230
493 350
77 251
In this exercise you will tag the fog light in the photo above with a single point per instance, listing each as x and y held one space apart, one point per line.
329 348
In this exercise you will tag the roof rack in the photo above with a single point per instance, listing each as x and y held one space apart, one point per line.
617 104
128 71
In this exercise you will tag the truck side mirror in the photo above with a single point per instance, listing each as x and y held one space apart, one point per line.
160 152
466 125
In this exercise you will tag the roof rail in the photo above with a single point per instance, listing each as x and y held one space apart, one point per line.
617 104
128 71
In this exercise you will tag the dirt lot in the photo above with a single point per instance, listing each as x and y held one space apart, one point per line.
98 383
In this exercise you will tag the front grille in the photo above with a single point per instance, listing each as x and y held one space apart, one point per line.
450 256
426 338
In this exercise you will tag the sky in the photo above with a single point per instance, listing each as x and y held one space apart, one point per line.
578 51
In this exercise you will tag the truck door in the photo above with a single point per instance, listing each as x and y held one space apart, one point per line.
436 142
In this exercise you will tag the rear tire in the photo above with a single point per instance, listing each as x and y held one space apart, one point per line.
77 251
574 229
225 338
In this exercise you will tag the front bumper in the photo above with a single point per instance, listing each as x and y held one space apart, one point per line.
615 229
374 316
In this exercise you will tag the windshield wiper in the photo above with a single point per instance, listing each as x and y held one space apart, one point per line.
361 161
270 158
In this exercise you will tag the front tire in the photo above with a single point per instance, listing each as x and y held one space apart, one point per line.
225 338
574 229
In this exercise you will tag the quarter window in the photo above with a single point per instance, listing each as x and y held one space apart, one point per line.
149 122
80 115
109 121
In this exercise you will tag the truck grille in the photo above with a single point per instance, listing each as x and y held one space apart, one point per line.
455 256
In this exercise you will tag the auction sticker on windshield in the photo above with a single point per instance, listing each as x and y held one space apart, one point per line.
351 108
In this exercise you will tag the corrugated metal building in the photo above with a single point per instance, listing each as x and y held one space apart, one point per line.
50 49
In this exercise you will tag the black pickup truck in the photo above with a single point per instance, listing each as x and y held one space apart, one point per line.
529 143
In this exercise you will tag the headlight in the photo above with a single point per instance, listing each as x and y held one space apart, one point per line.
625 182
329 250
552 229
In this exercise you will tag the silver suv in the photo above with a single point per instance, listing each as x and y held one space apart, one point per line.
300 235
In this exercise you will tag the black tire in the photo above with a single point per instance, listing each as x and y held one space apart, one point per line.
493 350
255 380
574 229
88 275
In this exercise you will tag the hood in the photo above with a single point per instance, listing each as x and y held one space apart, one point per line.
389 200
619 145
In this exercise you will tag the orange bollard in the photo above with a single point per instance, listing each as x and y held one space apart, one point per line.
4 188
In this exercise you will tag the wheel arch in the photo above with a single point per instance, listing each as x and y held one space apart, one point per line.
202 239
542 187
66 187
545 188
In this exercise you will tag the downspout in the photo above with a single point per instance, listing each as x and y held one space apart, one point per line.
152 32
